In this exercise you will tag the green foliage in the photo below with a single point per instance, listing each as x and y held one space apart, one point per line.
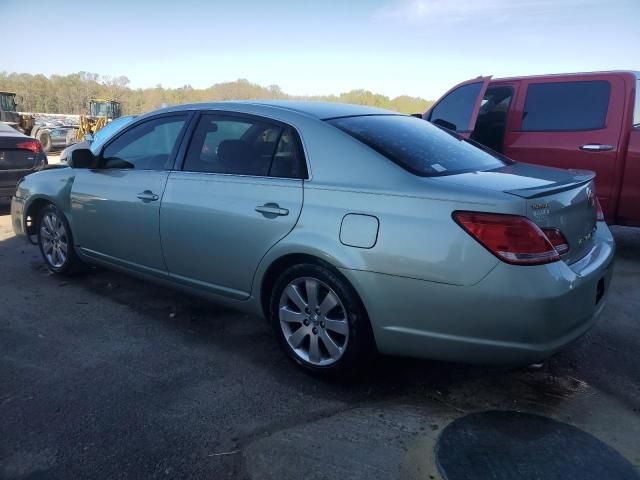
70 94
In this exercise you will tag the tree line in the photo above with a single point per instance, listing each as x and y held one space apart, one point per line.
70 94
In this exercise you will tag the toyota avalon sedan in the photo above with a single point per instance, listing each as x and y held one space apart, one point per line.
353 230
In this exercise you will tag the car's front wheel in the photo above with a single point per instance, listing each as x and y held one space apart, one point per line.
320 321
56 242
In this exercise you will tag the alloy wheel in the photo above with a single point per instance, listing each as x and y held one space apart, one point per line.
314 321
55 241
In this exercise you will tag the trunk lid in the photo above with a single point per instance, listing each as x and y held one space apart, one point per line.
12 157
17 159
555 198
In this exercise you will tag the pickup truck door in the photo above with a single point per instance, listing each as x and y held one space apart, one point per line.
458 108
572 122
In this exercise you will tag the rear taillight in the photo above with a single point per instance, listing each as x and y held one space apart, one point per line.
599 212
557 239
511 238
32 145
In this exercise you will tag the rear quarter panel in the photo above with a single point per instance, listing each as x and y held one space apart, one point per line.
417 236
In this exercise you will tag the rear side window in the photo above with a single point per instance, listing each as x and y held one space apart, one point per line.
456 108
244 146
416 145
566 106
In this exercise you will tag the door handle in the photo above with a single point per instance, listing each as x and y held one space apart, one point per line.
596 147
272 210
148 196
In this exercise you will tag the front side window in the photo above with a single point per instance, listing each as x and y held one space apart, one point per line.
566 106
102 135
416 145
7 103
146 146
454 111
244 146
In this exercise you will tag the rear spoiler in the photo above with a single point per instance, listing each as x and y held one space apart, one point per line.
580 177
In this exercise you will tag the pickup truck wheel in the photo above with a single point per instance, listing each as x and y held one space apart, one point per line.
56 242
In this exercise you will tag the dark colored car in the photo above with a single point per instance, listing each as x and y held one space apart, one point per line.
586 121
19 156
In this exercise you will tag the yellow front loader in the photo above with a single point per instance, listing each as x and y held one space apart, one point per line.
101 112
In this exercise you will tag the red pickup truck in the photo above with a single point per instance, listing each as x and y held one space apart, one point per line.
587 121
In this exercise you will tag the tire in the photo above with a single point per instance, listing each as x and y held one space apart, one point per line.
45 140
307 335
56 242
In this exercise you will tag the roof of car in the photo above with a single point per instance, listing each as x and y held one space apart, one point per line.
320 110
9 131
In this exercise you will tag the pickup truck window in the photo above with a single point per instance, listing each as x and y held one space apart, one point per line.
418 146
457 107
566 106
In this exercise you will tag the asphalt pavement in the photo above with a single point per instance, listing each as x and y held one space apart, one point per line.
105 376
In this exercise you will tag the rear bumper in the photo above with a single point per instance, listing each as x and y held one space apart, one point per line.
515 315
7 191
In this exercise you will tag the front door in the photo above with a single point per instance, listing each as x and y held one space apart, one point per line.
458 108
239 192
116 207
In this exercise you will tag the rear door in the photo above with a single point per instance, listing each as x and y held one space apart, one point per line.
238 193
458 108
571 122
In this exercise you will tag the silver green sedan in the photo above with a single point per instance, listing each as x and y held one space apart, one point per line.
354 230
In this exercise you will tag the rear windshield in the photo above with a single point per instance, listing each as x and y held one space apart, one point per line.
417 145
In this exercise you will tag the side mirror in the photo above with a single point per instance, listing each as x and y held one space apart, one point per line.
88 137
82 158
417 115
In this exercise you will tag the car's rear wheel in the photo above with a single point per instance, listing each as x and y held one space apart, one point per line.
320 321
56 242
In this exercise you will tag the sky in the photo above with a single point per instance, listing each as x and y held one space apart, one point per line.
393 47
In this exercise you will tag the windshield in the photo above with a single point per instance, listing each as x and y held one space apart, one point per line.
417 145
105 109
7 102
108 130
